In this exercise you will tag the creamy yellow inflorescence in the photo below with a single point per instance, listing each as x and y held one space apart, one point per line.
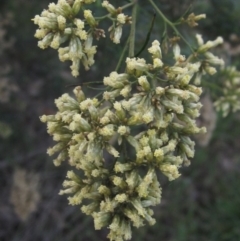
60 25
86 128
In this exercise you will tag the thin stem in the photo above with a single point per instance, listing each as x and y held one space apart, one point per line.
103 17
148 36
133 30
95 88
93 82
170 24
109 14
160 13
128 5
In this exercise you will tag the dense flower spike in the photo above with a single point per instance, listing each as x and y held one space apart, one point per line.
160 100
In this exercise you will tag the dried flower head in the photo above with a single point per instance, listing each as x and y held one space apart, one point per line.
24 193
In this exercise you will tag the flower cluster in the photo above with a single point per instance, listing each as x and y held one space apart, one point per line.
209 59
59 25
117 196
231 91
229 75
119 19
156 98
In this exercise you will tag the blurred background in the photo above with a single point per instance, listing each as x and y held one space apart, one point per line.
203 204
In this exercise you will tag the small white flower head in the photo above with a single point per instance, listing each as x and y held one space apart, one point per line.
56 41
178 70
142 80
43 118
117 34
107 81
210 44
193 68
159 90
144 141
84 105
212 59
88 42
89 18
46 41
61 22
75 68
104 190
109 114
151 132
117 106
177 56
123 130
79 23
126 91
110 8
176 50
126 105
171 171
159 154
172 145
113 76
199 39
122 167
36 19
157 63
155 50
101 219
147 150
210 70
136 64
64 7
82 34
121 198
90 52
76 6
50 151
91 136
121 18
192 19
148 117
40 33
182 94
200 16
104 120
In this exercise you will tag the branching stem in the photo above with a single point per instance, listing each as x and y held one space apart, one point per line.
168 22
133 30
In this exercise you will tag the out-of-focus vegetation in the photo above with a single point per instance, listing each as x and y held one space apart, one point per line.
203 204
